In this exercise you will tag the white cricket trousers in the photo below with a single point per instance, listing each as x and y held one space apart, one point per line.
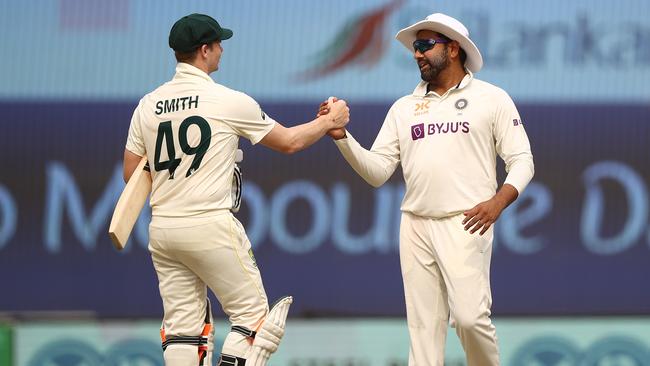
446 274
189 254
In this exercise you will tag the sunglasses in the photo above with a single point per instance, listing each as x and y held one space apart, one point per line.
423 45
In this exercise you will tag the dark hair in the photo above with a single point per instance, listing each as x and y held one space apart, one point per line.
461 54
185 56
191 56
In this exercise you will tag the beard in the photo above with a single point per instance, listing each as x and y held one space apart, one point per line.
436 66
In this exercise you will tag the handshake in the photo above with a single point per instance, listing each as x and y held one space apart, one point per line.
339 114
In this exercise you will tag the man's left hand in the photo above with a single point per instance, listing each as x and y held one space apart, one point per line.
486 213
483 215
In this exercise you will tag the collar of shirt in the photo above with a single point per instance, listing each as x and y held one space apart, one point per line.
184 71
421 89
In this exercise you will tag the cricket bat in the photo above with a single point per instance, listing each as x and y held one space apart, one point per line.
130 204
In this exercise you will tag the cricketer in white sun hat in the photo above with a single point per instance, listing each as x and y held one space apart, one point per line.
450 28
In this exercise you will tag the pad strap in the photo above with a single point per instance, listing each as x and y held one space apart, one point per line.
243 331
228 360
193 341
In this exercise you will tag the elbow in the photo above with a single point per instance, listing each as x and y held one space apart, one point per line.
521 164
528 163
289 150
376 183
292 147
290 144
374 178
532 169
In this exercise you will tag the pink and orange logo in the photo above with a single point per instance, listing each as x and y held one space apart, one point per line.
360 42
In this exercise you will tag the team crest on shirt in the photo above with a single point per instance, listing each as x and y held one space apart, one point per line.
461 104
421 108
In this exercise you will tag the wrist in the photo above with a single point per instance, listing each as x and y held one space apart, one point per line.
344 135
326 122
500 201
505 196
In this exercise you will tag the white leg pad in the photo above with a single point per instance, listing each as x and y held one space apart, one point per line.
196 352
270 333
181 355
207 361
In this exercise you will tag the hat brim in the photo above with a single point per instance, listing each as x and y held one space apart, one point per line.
225 34
406 36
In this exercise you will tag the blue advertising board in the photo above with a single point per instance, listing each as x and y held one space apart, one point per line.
577 241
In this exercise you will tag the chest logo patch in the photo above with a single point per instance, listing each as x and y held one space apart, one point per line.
421 108
420 130
417 131
461 104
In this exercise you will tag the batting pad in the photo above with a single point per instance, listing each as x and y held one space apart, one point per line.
270 333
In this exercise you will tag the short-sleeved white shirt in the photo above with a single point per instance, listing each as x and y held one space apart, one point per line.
189 130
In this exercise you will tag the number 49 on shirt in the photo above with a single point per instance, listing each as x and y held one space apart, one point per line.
166 134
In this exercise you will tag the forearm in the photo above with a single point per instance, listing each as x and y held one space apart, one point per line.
520 172
131 161
373 167
306 134
506 195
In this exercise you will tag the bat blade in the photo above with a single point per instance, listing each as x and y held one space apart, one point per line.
130 204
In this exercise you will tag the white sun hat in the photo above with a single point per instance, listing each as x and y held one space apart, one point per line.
450 28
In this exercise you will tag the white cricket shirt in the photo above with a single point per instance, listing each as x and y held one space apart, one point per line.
189 129
447 146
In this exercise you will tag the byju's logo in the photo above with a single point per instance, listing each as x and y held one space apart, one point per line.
417 131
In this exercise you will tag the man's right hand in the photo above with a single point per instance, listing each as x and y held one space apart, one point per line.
324 108
339 114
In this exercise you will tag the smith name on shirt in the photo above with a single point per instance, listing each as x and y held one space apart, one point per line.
176 104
